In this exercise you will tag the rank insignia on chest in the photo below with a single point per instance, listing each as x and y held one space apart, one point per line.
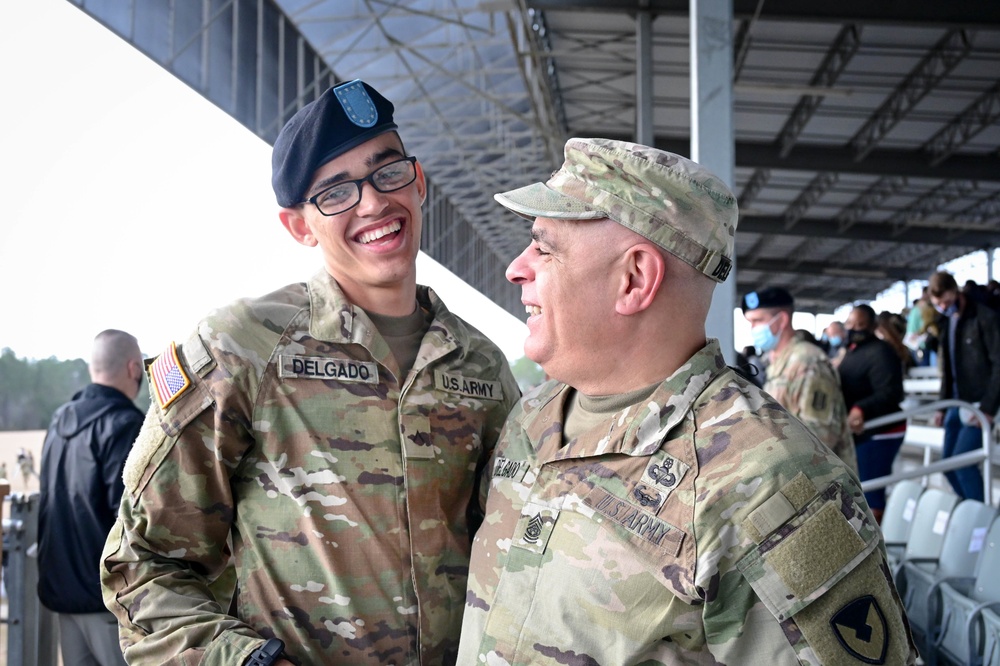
167 377
322 367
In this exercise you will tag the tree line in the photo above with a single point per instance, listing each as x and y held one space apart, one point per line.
31 390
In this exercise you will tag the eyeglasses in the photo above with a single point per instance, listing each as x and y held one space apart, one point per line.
346 194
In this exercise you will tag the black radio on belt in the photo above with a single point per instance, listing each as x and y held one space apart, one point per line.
266 654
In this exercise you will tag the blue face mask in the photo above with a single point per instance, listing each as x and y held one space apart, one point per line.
835 341
763 338
948 311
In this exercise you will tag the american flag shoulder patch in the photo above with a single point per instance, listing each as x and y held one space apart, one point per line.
167 377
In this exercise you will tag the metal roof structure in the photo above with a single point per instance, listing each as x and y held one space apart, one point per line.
867 134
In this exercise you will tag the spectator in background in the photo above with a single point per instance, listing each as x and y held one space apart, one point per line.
799 374
921 330
81 486
871 377
835 338
970 371
891 328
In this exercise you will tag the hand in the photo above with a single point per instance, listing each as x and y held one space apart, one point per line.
938 419
856 420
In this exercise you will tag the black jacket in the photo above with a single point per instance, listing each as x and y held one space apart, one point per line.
871 377
81 485
977 357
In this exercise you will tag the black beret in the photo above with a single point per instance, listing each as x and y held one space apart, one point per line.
768 297
343 117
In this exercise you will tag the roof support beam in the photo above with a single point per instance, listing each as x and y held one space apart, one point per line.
812 157
867 271
914 12
823 228
978 116
937 64
843 49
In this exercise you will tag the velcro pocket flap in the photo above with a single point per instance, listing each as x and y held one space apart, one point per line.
810 552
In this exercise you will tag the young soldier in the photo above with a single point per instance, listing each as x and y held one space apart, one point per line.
323 439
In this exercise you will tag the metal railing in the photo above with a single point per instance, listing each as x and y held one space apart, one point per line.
983 456
31 628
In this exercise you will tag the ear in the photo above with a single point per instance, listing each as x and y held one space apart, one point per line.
644 268
293 220
421 182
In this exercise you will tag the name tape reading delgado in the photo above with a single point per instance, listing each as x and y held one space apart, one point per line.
321 367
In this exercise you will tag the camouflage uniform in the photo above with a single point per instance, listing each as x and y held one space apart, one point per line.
704 526
803 381
342 491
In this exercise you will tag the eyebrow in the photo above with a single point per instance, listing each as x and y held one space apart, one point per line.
370 162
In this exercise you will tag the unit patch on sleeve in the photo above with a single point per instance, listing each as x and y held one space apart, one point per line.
861 629
167 377
467 386
322 367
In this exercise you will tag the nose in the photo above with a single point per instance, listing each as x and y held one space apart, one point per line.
519 270
372 201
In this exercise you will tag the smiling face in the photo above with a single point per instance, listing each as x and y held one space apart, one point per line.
568 283
371 248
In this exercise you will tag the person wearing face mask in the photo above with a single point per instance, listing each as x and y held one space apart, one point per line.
80 489
970 370
799 374
834 337
871 377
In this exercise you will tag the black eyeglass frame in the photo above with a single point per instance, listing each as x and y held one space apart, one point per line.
412 159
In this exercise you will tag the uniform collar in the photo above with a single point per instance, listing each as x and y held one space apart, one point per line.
637 430
335 319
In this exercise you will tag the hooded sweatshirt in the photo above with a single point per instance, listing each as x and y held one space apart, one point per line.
81 485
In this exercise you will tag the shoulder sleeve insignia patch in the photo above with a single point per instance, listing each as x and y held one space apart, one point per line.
861 629
167 377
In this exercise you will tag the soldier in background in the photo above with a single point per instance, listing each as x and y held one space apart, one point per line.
331 432
648 505
799 374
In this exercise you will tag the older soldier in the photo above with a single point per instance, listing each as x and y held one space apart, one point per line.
799 374
648 505
325 438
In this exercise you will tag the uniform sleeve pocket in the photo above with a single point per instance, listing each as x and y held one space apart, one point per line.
809 553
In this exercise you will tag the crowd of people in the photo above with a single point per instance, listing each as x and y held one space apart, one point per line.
955 329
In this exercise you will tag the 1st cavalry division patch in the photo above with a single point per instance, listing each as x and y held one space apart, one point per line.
167 377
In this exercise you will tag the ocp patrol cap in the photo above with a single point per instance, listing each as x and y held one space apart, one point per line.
674 202
343 117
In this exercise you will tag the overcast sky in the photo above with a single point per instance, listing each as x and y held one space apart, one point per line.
131 202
